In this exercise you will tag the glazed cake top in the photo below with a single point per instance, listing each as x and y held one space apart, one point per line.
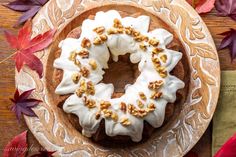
83 61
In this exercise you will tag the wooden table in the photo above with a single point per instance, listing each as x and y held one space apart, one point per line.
8 123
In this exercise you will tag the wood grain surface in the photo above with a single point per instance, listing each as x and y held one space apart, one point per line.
8 123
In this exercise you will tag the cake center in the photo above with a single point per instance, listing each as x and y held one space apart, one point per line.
120 74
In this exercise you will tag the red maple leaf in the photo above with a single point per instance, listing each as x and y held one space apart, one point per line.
17 147
26 47
228 149
23 105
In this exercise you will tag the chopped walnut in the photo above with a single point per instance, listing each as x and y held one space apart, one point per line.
157 50
128 30
162 71
140 104
83 53
156 95
125 121
93 64
75 77
97 41
99 30
155 84
154 42
107 113
114 116
77 62
83 85
135 33
104 105
123 106
145 38
72 56
79 92
142 96
98 115
163 74
85 43
143 47
117 23
151 107
84 72
140 38
103 37
112 31
120 30
156 62
131 108
90 88
89 102
163 58
137 112
141 113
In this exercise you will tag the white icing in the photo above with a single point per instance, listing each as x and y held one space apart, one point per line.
118 44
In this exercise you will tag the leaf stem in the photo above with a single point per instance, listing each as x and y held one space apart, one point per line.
8 57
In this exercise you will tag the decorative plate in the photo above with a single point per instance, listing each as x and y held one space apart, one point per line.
175 139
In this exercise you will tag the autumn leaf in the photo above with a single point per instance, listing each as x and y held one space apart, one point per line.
22 104
29 7
228 149
229 42
26 47
44 154
202 6
226 8
17 147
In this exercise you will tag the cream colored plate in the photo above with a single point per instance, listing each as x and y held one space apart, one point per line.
175 139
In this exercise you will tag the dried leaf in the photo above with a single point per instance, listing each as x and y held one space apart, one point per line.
202 6
226 8
30 7
44 154
26 47
229 42
22 104
228 149
17 147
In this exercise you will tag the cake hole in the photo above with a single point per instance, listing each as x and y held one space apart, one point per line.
120 74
